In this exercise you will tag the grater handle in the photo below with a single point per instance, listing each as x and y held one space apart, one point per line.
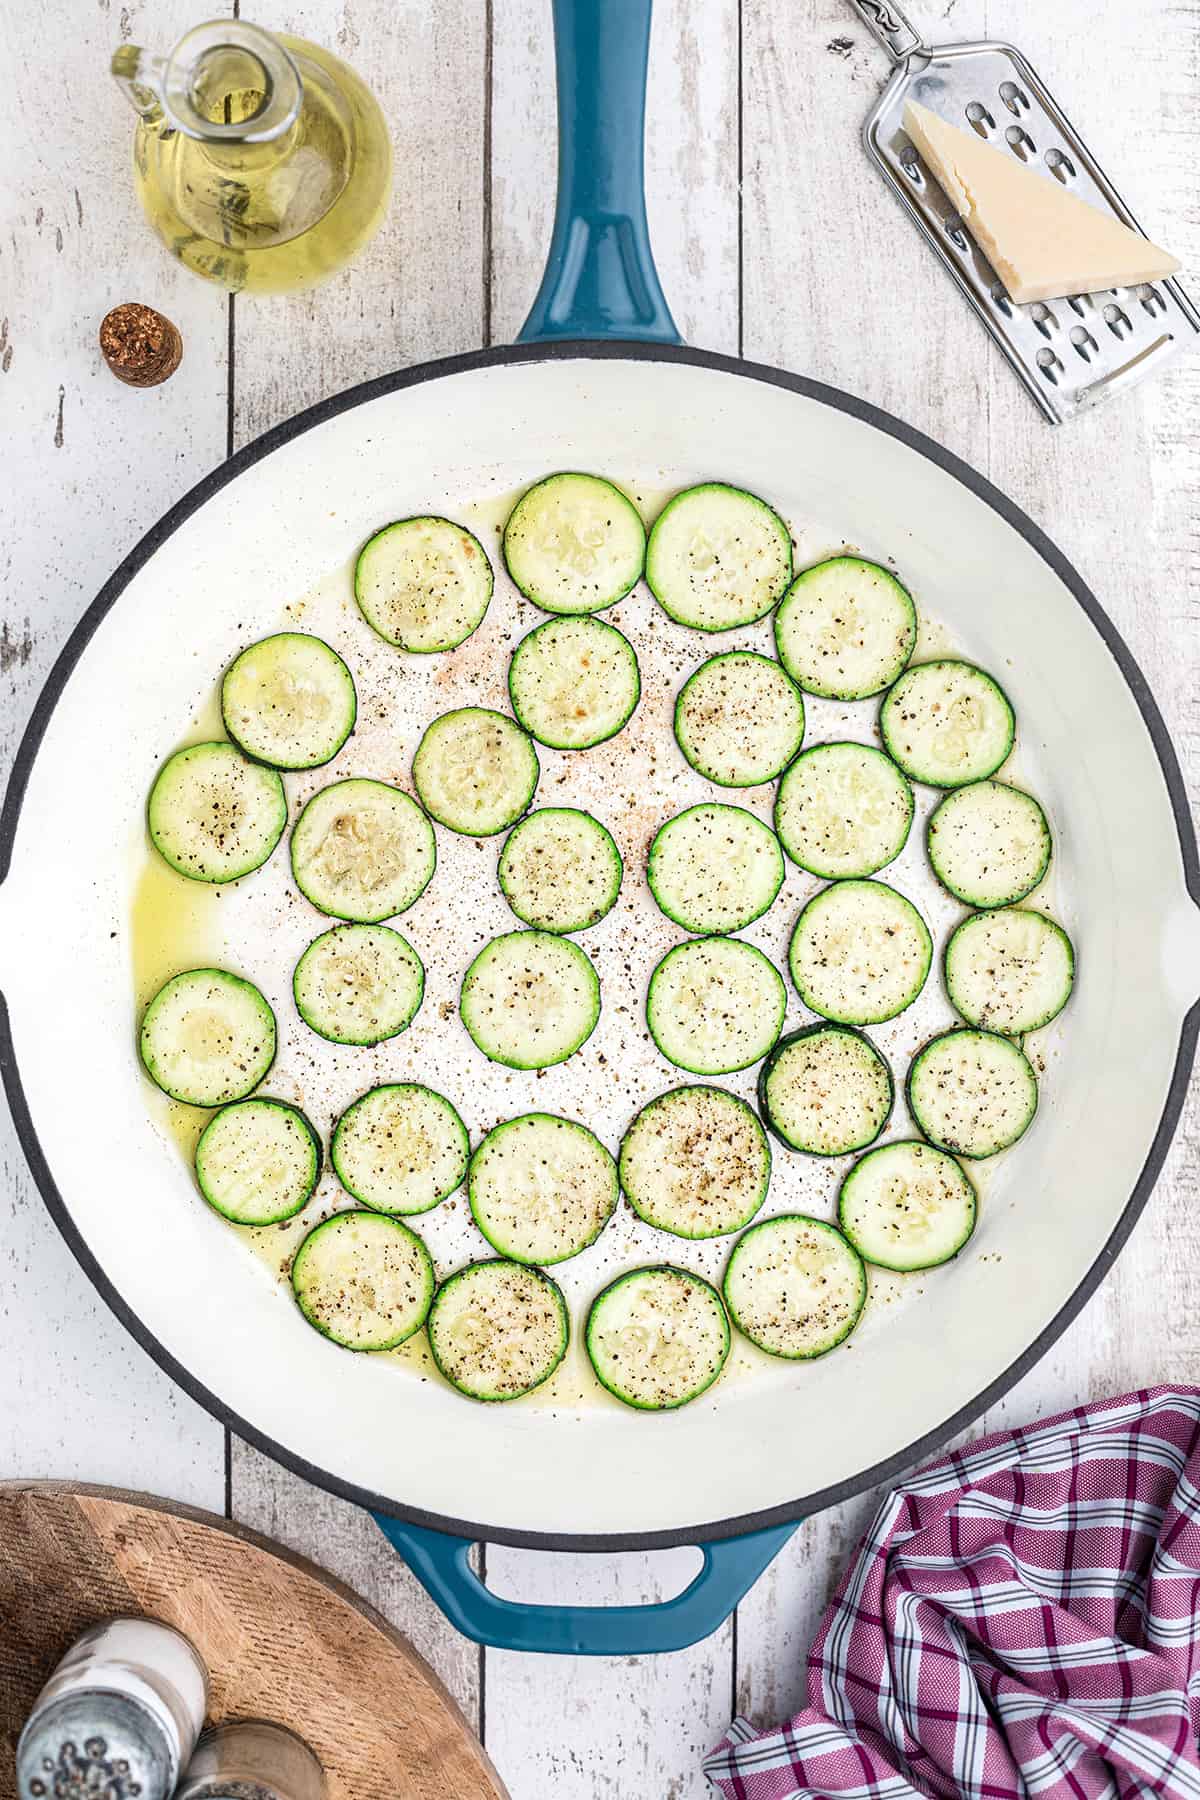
890 27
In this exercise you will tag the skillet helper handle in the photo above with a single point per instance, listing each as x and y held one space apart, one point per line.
439 1562
600 279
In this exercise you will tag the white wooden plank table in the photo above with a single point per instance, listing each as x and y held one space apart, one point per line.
774 238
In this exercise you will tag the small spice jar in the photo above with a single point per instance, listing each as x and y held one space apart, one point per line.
251 1759
119 1717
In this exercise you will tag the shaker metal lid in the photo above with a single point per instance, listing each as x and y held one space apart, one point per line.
86 1744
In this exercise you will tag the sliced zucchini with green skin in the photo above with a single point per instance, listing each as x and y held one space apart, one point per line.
541 1188
907 1207
657 1337
860 953
207 1037
739 719
213 815
289 700
400 1148
825 1090
972 1093
560 870
846 629
574 682
498 1329
947 723
423 584
258 1161
715 1005
475 771
795 1287
843 810
989 844
363 1280
1010 971
714 868
574 544
696 1162
359 984
530 999
718 557
362 850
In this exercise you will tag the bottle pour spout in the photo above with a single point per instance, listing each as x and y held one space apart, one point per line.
225 81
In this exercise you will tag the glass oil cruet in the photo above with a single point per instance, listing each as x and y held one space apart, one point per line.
262 161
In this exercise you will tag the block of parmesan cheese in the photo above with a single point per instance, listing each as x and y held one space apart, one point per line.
1043 242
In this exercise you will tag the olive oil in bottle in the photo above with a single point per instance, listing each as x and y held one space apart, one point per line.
262 162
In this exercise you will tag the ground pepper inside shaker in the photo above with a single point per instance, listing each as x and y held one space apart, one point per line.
118 1718
252 1759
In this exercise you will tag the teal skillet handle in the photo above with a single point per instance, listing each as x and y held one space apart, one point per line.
729 1569
600 279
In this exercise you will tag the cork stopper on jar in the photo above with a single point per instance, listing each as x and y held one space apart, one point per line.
140 346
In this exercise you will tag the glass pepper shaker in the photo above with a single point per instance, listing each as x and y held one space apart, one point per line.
251 1759
119 1717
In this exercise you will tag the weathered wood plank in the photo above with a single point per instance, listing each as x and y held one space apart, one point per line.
416 292
1085 483
837 283
585 1728
88 466
417 289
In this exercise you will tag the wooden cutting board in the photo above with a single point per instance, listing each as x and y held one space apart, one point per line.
282 1639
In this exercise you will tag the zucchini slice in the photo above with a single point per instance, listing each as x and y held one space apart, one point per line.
713 869
423 584
739 719
971 1092
657 1337
715 1005
362 850
795 1287
530 999
696 1162
843 810
947 723
989 844
289 700
400 1148
574 544
213 815
475 771
846 629
359 984
207 1037
498 1329
1010 971
574 682
906 1207
363 1280
825 1090
560 870
541 1188
258 1161
718 557
860 953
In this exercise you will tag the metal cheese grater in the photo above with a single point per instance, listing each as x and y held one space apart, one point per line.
1069 353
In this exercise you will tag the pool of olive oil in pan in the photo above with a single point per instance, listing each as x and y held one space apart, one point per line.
271 217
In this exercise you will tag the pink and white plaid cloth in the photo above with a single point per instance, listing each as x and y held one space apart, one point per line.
1022 1618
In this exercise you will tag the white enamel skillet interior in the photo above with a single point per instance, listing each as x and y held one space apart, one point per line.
271 524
